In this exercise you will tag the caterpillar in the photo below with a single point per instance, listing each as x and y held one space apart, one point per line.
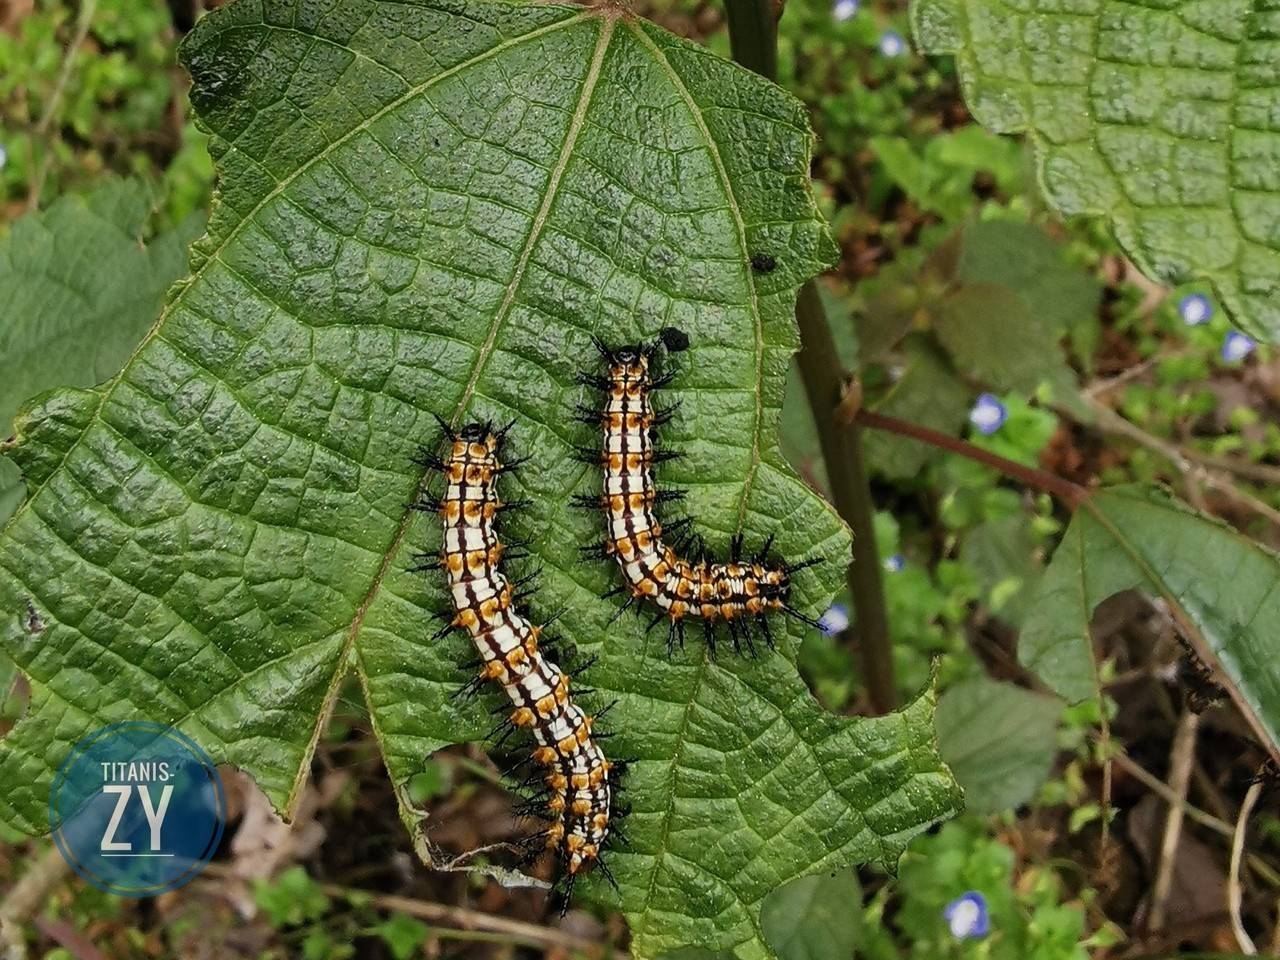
580 781
1203 690
737 593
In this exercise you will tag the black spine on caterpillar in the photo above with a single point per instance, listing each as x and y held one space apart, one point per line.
1203 689
739 593
579 781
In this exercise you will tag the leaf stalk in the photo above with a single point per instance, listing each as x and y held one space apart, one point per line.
1071 494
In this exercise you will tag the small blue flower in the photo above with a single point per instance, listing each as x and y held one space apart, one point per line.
844 9
966 916
988 414
895 563
1195 309
1237 346
892 44
835 620
4 157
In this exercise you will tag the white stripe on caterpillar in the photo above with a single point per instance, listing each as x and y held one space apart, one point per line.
577 774
737 593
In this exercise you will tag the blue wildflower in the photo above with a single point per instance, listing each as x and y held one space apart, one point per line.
967 917
892 44
4 157
1195 309
835 620
1237 346
844 9
895 563
988 414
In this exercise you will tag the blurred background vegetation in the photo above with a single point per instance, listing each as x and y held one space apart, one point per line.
1101 377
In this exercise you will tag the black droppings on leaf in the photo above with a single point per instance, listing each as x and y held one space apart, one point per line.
763 263
674 339
34 623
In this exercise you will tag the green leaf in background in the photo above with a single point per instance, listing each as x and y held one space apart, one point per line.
991 333
1159 117
1224 588
927 392
814 918
1062 298
428 209
11 488
999 740
1001 553
78 289
940 177
404 936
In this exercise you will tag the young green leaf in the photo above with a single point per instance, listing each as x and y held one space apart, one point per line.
1159 117
428 209
815 917
1223 588
1063 298
999 740
78 289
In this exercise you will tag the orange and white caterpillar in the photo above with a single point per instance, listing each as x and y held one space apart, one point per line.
738 593
574 769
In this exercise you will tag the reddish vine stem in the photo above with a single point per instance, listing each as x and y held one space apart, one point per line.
823 378
1071 494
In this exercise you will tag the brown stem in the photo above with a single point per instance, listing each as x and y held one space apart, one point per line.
753 35
753 38
850 493
1181 759
459 918
1072 494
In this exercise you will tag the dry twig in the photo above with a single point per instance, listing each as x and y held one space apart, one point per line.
1234 895
1181 758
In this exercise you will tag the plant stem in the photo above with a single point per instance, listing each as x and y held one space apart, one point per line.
753 35
1072 494
753 38
40 168
850 492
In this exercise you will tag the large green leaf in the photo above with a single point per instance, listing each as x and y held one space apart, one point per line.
1157 115
429 209
817 917
999 740
1223 588
78 289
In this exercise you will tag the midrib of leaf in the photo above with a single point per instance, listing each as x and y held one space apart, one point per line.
215 255
695 113
539 220
1203 648
664 832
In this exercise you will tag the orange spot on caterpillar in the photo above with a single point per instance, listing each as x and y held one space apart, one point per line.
508 643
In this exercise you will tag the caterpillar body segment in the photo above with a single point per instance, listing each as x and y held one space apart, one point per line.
682 583
578 778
